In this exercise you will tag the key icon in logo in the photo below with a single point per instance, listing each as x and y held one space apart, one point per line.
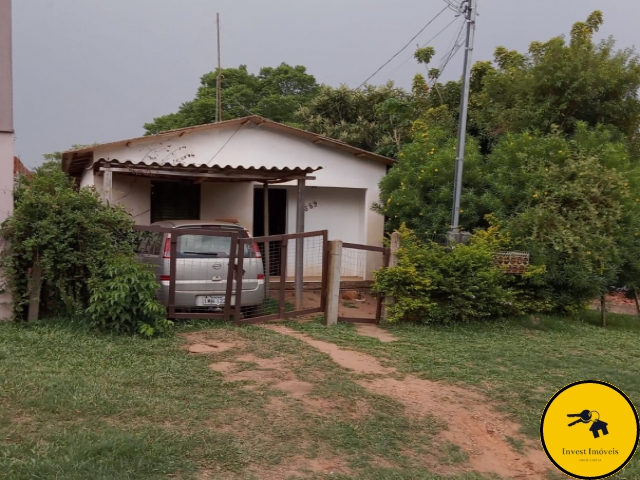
590 416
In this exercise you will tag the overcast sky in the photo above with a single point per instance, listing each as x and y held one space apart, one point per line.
96 70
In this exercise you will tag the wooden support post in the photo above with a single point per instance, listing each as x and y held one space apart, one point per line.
393 261
267 252
299 272
333 283
635 297
107 185
35 286
603 311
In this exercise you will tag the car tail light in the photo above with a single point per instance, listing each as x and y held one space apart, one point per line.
167 247
256 248
260 276
165 278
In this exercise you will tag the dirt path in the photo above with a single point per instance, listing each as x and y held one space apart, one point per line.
374 331
473 424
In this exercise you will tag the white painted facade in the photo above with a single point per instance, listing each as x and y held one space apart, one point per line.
6 134
344 189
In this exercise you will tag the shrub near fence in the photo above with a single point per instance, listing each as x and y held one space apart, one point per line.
82 250
433 283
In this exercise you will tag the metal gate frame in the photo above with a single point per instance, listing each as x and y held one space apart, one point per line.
386 255
231 265
284 239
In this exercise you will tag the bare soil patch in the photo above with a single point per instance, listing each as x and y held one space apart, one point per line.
211 347
617 302
301 467
374 331
364 305
223 367
473 424
295 388
358 362
202 343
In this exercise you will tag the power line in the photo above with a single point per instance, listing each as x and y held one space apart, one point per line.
456 7
427 43
447 57
225 143
403 48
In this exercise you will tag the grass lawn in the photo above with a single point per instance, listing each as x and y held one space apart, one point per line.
76 405
516 363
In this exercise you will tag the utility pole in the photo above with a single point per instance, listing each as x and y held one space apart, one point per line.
469 11
219 79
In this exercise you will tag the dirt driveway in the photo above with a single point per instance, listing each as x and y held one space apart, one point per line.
469 427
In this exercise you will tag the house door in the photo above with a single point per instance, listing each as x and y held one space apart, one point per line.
174 201
277 222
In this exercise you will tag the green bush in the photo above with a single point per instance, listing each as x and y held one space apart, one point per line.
437 284
122 300
75 239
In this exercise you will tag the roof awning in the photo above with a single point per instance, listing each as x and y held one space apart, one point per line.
200 174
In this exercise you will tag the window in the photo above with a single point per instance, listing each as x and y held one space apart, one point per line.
174 201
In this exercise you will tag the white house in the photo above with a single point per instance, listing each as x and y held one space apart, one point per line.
218 171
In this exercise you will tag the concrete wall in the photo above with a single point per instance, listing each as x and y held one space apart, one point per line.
226 201
338 210
134 194
6 132
89 180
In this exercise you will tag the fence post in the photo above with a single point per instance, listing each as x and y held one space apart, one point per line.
333 283
35 287
393 261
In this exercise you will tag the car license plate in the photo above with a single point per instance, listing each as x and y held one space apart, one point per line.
216 301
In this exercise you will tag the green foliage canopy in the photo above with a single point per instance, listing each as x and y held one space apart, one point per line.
275 93
75 238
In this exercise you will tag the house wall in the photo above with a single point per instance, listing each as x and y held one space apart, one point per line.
6 206
345 187
6 133
227 201
338 210
134 194
88 179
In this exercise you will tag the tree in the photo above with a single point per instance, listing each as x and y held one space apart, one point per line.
417 191
275 93
375 118
559 83
552 158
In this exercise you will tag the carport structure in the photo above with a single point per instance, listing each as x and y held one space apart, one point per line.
197 175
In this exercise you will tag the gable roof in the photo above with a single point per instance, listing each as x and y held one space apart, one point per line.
75 161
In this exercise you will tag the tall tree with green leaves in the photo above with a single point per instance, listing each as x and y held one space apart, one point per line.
551 157
559 83
275 93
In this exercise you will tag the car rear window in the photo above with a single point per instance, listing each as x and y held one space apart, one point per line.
148 243
208 246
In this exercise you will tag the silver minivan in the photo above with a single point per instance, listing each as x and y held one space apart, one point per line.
202 264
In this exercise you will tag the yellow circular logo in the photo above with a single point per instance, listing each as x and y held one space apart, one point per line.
589 429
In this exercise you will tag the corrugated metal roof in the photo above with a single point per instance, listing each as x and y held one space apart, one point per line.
209 168
75 161
203 172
